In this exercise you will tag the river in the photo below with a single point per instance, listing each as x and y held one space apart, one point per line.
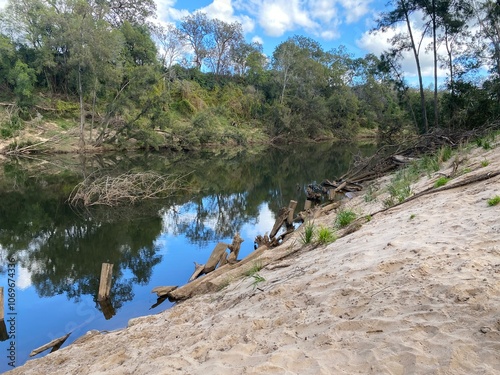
51 253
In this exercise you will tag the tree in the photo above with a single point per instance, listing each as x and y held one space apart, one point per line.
171 44
402 12
226 37
195 29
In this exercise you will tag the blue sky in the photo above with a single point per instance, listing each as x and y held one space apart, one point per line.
330 22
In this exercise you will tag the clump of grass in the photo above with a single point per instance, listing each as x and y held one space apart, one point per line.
326 235
257 279
494 201
344 218
400 189
370 194
484 143
256 267
441 181
485 163
368 217
412 216
308 234
444 154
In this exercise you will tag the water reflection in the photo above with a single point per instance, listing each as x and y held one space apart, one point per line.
60 250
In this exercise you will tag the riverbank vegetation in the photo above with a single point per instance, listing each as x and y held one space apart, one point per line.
105 76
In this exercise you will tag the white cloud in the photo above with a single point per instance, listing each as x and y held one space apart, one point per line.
324 10
258 39
355 10
166 11
378 42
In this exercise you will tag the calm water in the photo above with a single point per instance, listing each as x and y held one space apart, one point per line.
54 252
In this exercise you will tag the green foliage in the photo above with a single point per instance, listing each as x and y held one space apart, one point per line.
484 163
412 216
325 235
308 235
11 125
257 279
23 79
494 201
441 181
400 187
344 218
256 267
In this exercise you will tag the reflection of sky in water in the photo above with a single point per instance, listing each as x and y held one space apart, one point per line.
40 320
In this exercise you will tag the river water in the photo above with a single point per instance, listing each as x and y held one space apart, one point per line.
51 253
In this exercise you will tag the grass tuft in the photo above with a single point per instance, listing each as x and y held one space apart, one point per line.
494 201
441 181
326 235
344 218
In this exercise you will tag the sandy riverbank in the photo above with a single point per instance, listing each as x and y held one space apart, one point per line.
416 290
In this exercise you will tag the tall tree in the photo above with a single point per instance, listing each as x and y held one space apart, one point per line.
195 28
226 37
401 14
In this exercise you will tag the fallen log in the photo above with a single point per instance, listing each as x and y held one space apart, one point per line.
234 249
215 257
54 344
162 291
198 270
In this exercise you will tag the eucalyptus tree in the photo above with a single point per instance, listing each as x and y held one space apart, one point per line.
196 29
488 16
401 14
225 38
117 12
248 57
171 44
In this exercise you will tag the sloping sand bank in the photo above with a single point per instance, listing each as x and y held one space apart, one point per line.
416 290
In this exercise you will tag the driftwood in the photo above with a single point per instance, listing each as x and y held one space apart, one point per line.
216 257
105 281
162 291
234 249
54 344
219 257
198 269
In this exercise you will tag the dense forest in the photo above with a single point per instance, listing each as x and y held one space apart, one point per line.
103 68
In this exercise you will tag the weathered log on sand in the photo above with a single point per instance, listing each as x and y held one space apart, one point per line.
198 270
54 344
262 241
234 249
282 216
215 257
162 291
208 283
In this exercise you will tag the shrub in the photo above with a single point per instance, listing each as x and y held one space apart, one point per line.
344 218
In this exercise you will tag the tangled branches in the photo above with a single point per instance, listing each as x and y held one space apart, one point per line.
125 188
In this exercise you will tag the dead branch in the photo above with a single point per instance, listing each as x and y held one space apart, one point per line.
125 188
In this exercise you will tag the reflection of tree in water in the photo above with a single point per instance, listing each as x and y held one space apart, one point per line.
210 218
64 251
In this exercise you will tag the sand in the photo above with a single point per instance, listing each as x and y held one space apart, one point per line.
416 290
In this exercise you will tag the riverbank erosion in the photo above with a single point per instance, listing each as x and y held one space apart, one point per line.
413 289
